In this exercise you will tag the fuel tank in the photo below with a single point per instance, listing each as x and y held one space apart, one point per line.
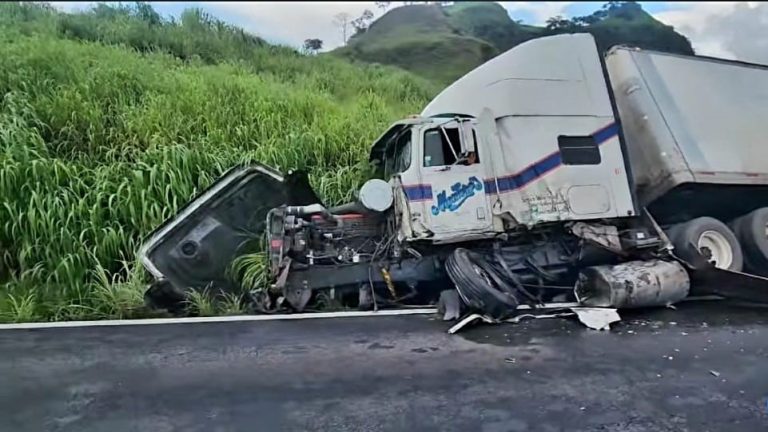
633 284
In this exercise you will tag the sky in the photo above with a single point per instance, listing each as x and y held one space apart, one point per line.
734 30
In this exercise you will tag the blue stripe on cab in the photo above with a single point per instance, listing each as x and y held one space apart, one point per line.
525 176
423 192
549 163
606 133
418 192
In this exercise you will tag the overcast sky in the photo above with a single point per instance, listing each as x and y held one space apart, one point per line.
736 30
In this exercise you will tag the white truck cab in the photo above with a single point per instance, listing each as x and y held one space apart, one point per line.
529 137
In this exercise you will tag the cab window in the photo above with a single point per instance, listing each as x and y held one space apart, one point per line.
398 155
442 147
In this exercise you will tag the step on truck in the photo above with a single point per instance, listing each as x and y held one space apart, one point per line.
551 172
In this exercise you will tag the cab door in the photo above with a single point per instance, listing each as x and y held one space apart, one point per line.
453 168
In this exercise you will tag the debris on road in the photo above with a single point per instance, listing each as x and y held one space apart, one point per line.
597 318
715 373
469 319
594 318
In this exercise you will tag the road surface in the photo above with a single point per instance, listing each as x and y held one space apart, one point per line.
702 367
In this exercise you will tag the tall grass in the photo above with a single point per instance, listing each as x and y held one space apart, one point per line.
101 140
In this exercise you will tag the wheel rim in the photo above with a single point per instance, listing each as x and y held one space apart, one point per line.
716 248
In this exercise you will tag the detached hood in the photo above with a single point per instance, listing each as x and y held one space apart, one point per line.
195 248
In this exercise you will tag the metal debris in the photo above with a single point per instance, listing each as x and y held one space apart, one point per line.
515 320
715 373
594 318
597 318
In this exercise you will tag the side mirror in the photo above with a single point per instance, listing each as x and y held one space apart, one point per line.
467 140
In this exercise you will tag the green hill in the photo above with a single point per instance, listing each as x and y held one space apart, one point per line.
444 42
490 22
111 120
420 39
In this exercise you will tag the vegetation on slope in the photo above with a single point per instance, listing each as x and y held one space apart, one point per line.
112 119
445 42
490 22
421 39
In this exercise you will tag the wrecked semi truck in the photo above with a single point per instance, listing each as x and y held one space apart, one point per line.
628 176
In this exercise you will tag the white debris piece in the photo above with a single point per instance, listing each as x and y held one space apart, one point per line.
516 319
469 319
597 318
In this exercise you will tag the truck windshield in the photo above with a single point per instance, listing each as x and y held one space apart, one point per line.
442 147
399 155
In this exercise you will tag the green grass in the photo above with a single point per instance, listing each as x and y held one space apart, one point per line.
103 135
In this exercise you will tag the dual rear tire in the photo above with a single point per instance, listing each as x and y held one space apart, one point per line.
743 245
707 239
752 232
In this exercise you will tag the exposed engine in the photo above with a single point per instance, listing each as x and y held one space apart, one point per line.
322 238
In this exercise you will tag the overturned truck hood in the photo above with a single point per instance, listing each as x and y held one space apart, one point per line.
195 248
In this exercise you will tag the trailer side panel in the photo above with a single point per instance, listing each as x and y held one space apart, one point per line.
690 119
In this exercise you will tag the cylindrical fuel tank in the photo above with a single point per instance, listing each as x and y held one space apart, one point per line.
633 284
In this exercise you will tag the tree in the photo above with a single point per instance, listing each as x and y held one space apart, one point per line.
383 5
341 20
558 23
145 12
362 22
313 45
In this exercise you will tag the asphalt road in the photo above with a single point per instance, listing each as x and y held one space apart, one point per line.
655 371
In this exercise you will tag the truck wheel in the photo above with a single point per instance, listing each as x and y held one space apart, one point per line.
708 238
752 232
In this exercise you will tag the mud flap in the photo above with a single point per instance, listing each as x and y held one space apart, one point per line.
711 280
195 248
706 279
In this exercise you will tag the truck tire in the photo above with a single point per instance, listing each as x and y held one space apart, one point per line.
752 232
708 238
480 289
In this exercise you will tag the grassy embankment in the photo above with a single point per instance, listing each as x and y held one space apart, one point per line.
112 119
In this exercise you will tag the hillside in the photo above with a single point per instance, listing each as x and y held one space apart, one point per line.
420 39
444 42
112 119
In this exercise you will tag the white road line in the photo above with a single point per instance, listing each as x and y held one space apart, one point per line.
195 320
281 317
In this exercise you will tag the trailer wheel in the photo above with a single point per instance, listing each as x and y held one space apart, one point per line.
708 238
752 232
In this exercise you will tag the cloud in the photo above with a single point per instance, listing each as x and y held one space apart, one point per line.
743 31
540 11
734 30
